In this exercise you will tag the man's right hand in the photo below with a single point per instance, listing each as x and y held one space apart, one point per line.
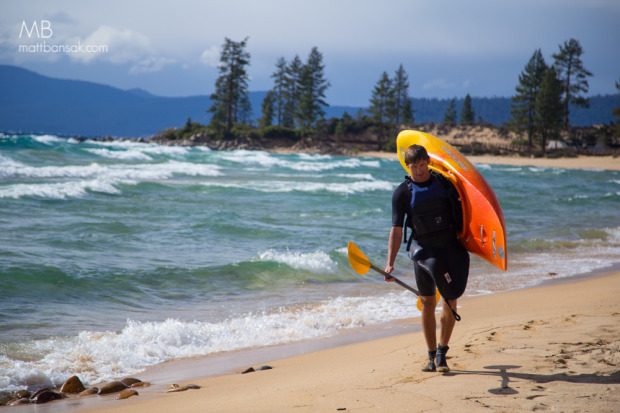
388 269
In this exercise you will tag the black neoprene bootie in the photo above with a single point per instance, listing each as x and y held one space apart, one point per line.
442 365
431 364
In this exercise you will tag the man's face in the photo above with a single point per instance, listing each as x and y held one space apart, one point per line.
419 171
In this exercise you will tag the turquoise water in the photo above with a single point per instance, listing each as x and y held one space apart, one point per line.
119 255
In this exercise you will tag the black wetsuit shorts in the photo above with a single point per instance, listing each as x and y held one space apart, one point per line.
445 268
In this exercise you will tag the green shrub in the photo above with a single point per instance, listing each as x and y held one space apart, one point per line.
280 132
389 145
562 153
170 134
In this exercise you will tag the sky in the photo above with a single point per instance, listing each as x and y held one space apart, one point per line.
448 48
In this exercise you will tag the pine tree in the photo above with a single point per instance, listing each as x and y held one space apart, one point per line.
279 88
231 88
468 116
382 105
344 124
244 110
449 117
523 104
400 93
616 112
291 92
312 87
267 110
573 75
406 113
549 111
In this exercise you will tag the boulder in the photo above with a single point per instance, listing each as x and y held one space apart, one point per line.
44 396
127 393
112 387
73 386
20 402
89 392
129 381
22 394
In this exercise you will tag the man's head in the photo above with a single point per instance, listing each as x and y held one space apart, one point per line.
416 153
417 161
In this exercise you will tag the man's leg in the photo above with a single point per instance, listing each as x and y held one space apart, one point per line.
429 328
447 325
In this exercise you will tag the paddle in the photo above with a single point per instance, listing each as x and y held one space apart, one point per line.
361 265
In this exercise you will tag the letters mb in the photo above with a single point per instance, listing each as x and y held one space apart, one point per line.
43 30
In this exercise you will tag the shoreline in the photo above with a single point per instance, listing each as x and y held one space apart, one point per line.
328 360
545 347
607 163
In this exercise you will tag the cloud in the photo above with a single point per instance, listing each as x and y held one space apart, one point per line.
62 17
211 57
121 46
149 65
441 83
114 45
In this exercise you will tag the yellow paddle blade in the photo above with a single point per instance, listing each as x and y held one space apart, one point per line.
437 297
358 260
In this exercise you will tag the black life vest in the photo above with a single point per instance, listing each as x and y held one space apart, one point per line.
435 213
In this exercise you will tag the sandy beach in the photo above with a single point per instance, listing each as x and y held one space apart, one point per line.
551 348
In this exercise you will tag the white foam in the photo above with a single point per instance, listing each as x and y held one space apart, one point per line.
287 186
119 149
102 356
306 163
317 262
48 139
136 155
8 164
94 177
314 157
78 171
60 190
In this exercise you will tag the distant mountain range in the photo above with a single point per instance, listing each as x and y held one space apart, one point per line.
32 103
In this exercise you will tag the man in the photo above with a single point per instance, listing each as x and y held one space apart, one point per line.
429 204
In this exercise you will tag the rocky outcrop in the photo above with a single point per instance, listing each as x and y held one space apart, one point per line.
74 387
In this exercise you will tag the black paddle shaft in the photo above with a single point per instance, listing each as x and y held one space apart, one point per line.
413 290
396 280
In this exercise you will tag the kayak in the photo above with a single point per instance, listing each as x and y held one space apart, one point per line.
484 230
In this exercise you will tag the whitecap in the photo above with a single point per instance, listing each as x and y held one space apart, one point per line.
48 139
136 155
316 262
132 171
307 164
60 190
287 186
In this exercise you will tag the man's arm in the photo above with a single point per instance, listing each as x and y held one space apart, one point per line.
396 234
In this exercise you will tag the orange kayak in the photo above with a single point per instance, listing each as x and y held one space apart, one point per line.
484 229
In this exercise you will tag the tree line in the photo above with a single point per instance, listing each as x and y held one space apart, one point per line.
295 105
540 109
295 102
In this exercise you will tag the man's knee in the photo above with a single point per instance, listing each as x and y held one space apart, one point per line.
428 302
